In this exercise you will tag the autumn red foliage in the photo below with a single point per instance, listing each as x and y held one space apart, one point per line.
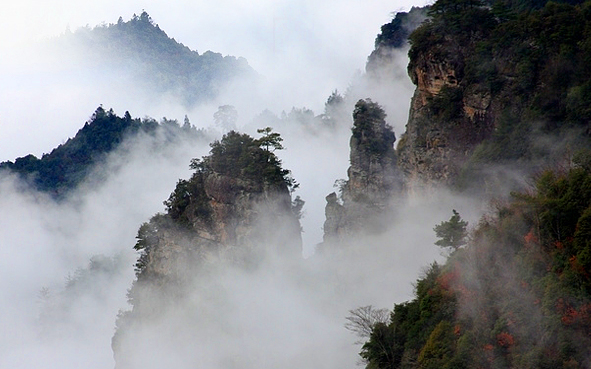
505 340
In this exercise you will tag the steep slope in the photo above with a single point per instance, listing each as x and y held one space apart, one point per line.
499 89
393 36
234 212
140 49
517 296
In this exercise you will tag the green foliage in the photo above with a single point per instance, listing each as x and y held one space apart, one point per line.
270 140
395 34
464 18
577 103
560 202
147 238
424 38
452 233
437 351
63 168
399 343
240 156
379 351
370 128
509 142
518 295
364 320
447 105
531 59
189 192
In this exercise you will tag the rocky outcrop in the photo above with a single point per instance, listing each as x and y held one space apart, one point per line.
447 118
373 177
238 217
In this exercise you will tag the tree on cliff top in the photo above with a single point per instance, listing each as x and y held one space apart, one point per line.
241 156
370 128
270 140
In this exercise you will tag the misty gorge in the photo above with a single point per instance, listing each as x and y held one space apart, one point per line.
289 210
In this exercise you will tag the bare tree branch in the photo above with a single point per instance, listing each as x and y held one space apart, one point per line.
363 319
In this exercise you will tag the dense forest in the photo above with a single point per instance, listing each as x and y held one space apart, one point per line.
517 295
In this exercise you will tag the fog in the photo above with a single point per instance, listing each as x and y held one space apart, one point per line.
293 317
44 242
274 315
304 49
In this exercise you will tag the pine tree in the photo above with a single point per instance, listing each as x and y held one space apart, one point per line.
452 233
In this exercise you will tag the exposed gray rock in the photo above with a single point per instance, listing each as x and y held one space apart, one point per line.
373 177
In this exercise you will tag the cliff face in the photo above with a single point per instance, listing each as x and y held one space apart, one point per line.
373 177
238 217
447 119
493 87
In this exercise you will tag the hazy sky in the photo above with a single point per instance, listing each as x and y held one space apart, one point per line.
307 48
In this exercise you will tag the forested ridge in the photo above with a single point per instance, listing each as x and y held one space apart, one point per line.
66 166
500 84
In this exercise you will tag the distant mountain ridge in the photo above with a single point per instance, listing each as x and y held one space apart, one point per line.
154 60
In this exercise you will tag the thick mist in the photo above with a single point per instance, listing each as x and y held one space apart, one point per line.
276 315
44 243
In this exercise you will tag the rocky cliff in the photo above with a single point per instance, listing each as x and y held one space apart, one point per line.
235 211
491 95
373 177
447 118
493 87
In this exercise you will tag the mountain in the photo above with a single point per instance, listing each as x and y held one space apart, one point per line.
234 212
373 178
499 89
498 103
501 99
518 295
393 36
69 164
140 49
